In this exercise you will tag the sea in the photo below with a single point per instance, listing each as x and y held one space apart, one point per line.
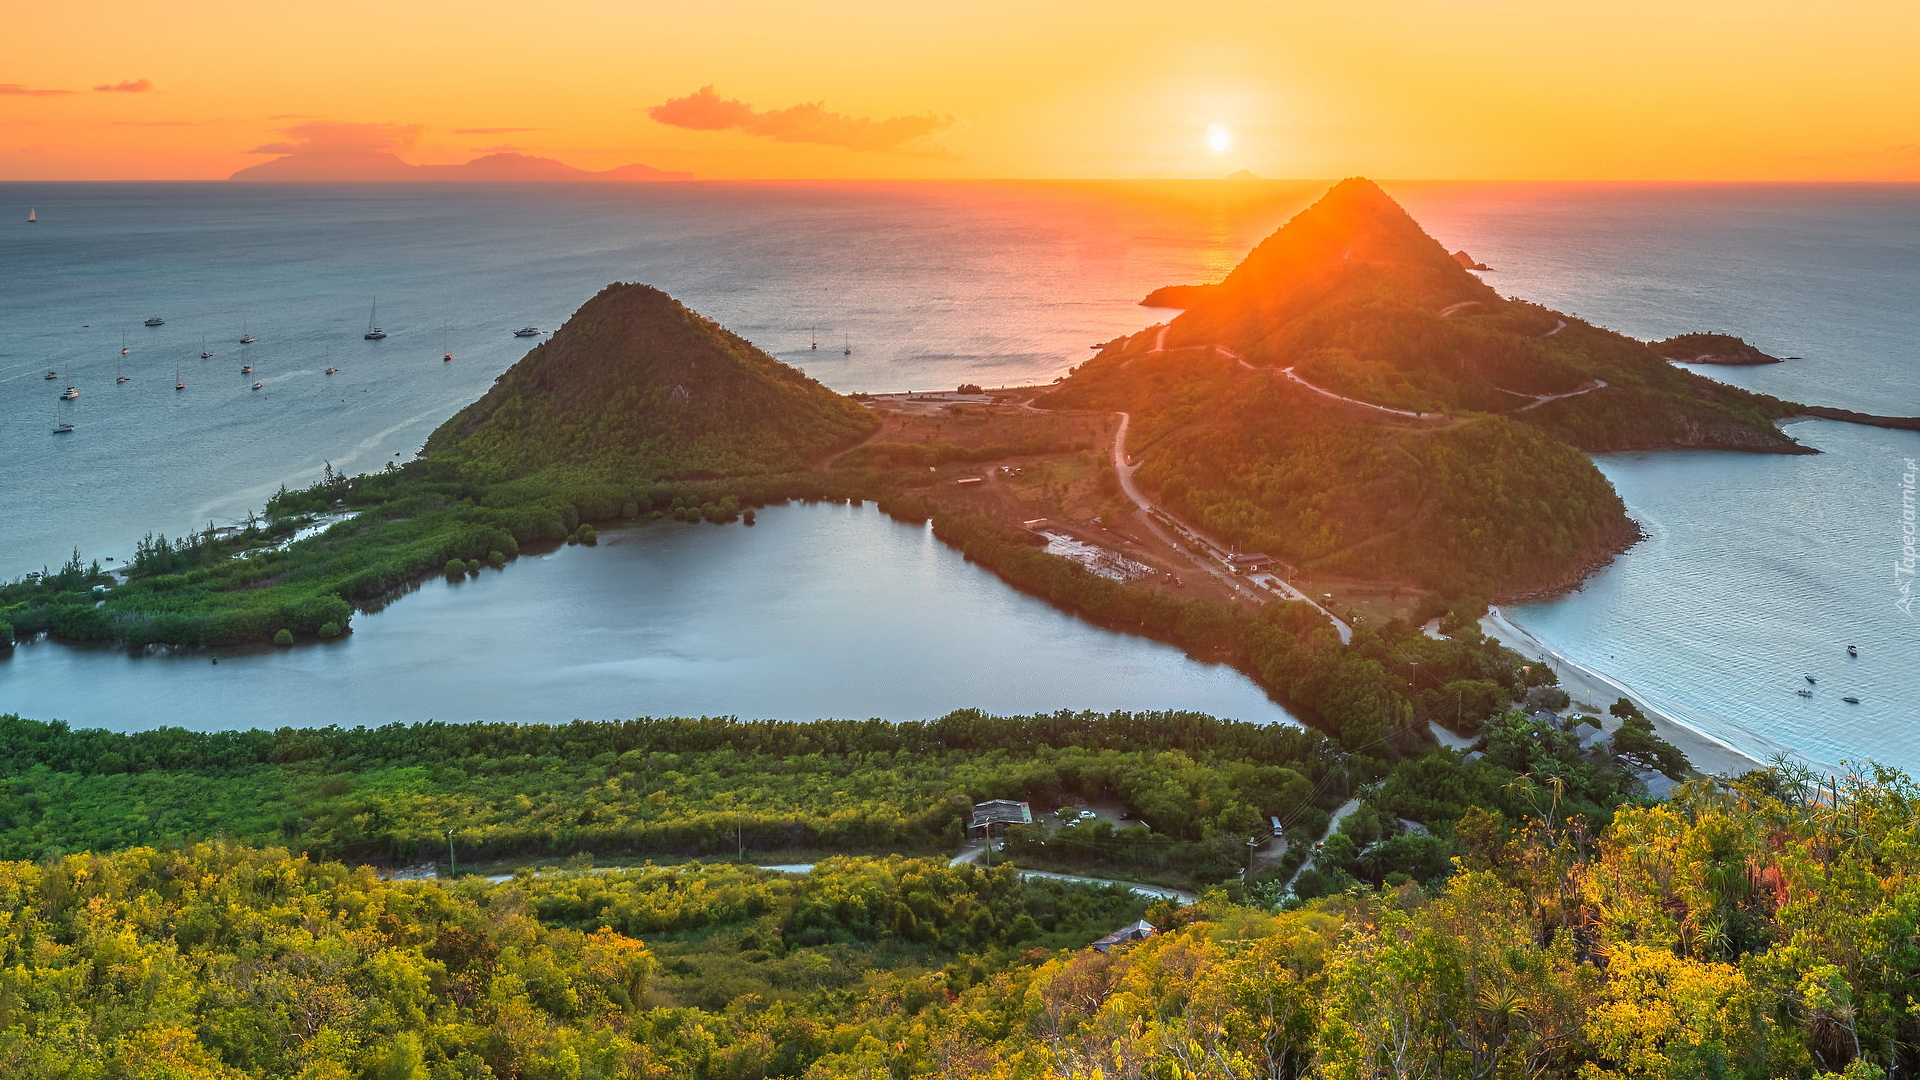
1756 572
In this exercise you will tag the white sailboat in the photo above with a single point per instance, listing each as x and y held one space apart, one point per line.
32 217
61 427
245 338
119 368
847 350
374 333
178 382
123 343
443 344
204 353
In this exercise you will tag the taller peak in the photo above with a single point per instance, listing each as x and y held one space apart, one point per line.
1354 242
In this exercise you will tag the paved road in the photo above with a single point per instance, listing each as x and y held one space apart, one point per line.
1288 372
1339 815
1542 399
1125 470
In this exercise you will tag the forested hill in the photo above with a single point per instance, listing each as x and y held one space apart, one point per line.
1355 297
638 387
1353 401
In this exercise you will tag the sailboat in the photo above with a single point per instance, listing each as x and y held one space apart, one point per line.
31 218
245 338
443 344
60 427
178 382
246 369
204 354
119 368
848 349
330 368
71 393
813 338
374 333
123 343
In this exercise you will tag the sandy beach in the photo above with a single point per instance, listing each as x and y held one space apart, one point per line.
1593 692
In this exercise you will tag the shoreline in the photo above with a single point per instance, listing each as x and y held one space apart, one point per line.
1709 755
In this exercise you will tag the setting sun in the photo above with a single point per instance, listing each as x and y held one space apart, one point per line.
1219 138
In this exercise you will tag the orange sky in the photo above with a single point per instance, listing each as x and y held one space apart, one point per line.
1628 89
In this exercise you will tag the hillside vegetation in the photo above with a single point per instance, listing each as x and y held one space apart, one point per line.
1468 476
635 407
1760 930
636 386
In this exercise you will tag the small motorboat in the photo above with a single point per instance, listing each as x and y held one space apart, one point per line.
156 321
331 369
1810 678
257 385
447 358
1851 700
1853 652
527 331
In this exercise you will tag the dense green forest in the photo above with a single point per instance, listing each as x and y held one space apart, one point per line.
1483 506
1764 928
1196 787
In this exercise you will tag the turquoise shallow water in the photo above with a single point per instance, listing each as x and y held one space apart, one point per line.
1757 569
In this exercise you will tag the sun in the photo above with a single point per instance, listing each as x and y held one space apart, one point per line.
1219 138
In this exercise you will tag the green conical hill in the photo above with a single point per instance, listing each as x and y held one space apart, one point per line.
639 386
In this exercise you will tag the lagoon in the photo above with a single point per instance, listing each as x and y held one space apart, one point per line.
818 610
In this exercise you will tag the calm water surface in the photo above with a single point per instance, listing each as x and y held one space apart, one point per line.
816 611
1757 569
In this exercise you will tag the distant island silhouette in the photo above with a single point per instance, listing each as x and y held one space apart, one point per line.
363 165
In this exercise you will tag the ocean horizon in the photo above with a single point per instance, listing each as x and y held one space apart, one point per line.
1754 568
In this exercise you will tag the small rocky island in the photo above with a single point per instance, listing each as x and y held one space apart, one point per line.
1723 349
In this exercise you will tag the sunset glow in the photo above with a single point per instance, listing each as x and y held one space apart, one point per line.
754 88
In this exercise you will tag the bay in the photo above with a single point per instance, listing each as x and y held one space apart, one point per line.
818 610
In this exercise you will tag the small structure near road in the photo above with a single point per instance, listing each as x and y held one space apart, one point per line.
1249 561
997 814
1139 931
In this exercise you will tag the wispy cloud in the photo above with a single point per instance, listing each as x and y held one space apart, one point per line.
336 136
17 90
163 123
705 110
503 148
493 130
131 86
